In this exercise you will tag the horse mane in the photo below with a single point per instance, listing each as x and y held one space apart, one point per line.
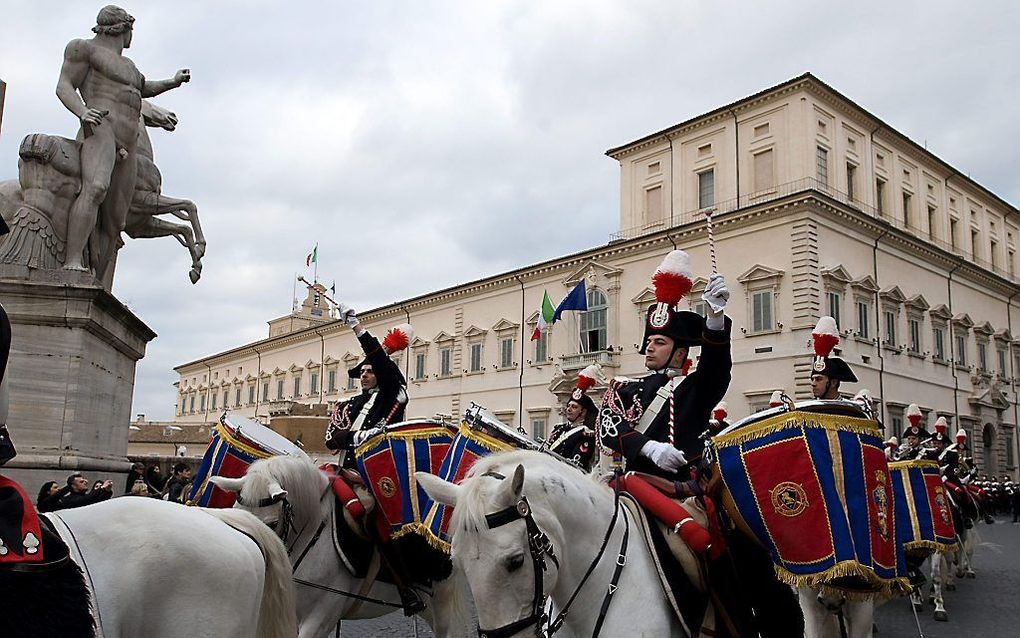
303 481
545 479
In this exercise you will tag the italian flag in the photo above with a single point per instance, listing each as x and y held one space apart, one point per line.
312 256
545 316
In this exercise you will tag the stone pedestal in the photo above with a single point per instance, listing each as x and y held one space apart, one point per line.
71 375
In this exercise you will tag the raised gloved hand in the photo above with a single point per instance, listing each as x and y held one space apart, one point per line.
664 455
347 315
363 435
716 294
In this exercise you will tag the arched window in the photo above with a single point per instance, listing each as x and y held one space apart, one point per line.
594 322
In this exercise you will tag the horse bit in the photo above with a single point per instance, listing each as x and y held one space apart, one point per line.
540 547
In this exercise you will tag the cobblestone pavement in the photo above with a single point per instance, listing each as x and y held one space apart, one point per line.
986 605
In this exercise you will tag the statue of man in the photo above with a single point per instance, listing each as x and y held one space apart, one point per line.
104 90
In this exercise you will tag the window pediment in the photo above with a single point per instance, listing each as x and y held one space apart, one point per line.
963 321
893 295
865 284
249 378
759 274
329 360
311 364
1003 336
533 317
836 277
443 337
644 298
504 326
474 332
295 368
984 329
350 359
419 343
941 311
917 303
593 271
278 371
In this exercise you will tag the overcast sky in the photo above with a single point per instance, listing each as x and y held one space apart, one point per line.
422 144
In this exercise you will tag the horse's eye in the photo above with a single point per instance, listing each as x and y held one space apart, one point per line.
513 563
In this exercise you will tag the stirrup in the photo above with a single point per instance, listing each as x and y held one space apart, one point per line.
411 602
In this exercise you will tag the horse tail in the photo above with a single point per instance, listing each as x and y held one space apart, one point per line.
277 613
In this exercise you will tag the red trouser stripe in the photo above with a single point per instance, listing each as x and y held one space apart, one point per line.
668 511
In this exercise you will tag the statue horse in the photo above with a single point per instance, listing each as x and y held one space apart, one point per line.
37 204
293 496
527 527
158 569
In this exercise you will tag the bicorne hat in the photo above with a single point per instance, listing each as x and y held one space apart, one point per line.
915 428
673 281
826 337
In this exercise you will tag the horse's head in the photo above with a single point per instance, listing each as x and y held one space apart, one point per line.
282 491
158 117
506 534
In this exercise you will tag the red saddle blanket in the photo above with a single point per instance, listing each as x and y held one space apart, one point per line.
20 535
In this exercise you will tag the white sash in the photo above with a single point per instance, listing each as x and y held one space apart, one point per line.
656 405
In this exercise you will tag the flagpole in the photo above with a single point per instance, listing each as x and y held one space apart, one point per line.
315 253
293 294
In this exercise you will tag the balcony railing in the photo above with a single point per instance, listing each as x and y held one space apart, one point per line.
607 358
804 185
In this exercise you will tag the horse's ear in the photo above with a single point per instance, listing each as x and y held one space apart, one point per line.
439 490
276 491
227 484
517 485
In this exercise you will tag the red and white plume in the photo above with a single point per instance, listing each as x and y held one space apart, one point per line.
398 338
914 414
825 336
864 396
961 435
589 377
720 412
892 442
941 425
776 399
673 279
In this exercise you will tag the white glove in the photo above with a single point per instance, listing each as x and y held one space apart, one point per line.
363 435
347 315
664 455
716 293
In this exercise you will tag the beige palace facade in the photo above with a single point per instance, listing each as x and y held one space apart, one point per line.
818 207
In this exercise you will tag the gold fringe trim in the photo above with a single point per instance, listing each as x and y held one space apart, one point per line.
929 546
422 530
412 435
882 587
797 420
236 443
919 463
488 442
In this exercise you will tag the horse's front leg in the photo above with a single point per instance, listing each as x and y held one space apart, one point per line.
819 622
937 571
860 618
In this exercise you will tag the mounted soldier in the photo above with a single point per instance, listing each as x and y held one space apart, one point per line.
574 439
914 435
827 372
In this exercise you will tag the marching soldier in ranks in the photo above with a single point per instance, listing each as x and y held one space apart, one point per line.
383 395
574 439
828 372
891 445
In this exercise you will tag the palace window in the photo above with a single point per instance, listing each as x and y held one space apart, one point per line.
961 349
594 322
822 164
201 402
880 195
279 389
192 404
542 347
419 365
538 428
351 383
908 213
475 357
213 406
851 181
863 319
265 391
939 333
982 350
762 319
706 189
331 381
445 362
834 302
1002 362
890 327
237 397
764 173
313 382
915 335
297 387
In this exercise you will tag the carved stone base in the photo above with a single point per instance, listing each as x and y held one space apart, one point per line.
71 375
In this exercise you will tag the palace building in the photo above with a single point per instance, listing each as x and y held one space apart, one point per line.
818 207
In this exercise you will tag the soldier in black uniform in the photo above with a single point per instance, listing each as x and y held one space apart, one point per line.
656 421
383 395
828 372
913 436
574 439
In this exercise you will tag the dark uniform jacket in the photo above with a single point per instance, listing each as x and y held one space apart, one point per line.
574 442
388 406
75 499
693 401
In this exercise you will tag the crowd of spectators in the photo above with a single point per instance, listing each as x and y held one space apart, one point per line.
141 481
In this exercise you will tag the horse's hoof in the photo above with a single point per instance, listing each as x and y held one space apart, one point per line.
971 575
194 275
918 606
959 573
941 616
950 586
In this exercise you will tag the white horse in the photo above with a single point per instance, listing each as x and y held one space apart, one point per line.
527 526
825 610
161 570
280 482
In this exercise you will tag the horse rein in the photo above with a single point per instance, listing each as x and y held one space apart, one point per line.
539 546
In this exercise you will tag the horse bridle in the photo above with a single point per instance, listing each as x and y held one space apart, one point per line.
540 547
286 516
